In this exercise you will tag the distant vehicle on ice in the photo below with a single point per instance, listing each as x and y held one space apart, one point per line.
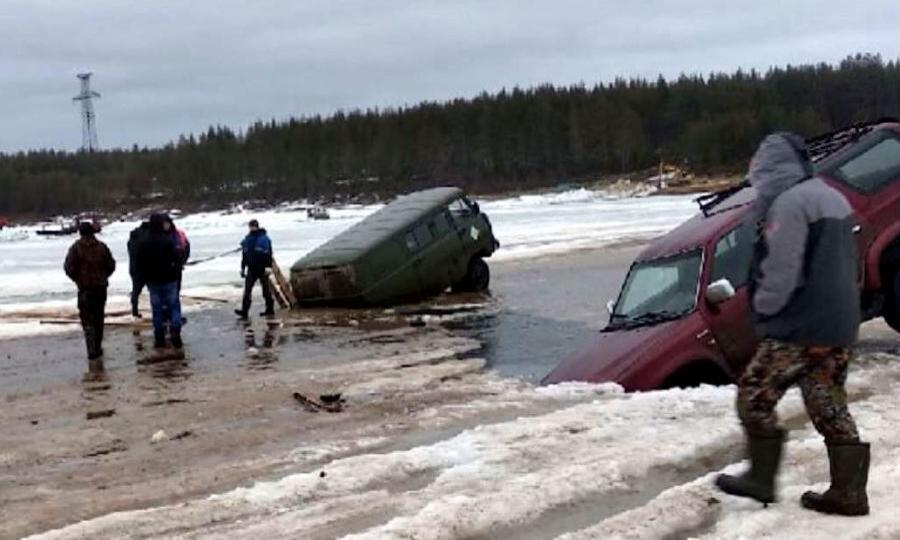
683 314
417 246
317 212
69 229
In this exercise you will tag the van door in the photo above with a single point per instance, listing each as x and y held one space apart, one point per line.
731 321
440 250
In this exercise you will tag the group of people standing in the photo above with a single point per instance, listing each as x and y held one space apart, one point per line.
158 252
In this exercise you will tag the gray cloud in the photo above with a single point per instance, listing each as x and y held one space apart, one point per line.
170 67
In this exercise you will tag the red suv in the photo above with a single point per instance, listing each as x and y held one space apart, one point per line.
683 316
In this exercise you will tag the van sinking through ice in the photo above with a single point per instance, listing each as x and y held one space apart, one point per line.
417 246
683 314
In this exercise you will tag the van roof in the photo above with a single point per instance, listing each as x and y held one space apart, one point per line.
700 229
395 217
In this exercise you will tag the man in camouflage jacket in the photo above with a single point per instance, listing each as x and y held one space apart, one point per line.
806 307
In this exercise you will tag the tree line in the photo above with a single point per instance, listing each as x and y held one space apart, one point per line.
512 139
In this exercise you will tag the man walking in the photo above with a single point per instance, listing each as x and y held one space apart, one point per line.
89 264
805 302
160 265
256 257
138 235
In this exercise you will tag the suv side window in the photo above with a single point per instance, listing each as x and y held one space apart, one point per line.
874 168
734 255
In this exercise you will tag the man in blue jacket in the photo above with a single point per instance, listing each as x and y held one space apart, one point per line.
256 250
805 301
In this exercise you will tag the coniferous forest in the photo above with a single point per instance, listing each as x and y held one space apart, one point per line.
513 139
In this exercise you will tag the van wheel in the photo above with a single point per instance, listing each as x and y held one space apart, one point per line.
478 277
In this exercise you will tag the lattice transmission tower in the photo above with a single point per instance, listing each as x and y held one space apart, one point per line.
88 121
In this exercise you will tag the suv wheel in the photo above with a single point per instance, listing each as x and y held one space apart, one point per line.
478 277
891 310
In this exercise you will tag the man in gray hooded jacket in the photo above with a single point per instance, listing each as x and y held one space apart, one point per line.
805 302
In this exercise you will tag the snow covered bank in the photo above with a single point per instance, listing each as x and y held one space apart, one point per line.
580 462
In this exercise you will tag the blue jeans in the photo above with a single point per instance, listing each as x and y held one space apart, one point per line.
164 299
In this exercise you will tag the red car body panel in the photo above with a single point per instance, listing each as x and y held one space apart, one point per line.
646 357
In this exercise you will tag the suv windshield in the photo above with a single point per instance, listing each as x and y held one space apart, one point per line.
658 290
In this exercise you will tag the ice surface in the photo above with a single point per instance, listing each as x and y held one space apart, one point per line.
527 226
593 445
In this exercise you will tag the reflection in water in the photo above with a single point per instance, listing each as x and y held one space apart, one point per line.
265 357
165 365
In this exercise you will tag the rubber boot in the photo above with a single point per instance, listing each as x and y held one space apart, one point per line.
159 340
176 339
240 313
759 481
849 465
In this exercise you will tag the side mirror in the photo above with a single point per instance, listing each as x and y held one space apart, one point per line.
475 208
719 291
610 306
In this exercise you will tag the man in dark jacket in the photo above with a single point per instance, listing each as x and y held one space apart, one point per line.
89 264
138 235
805 302
160 265
256 257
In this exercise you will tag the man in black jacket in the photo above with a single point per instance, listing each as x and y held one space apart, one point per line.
159 264
138 235
256 257
805 302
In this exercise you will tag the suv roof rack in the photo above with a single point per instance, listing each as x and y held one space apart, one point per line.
822 146
711 200
818 147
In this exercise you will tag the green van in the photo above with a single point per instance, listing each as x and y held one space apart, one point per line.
417 246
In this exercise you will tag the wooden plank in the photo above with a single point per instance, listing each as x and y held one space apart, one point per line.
285 285
276 289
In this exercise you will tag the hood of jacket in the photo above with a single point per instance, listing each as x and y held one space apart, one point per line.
780 163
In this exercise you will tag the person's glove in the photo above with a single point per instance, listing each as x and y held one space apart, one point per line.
243 273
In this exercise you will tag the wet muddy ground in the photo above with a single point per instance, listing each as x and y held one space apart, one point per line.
157 427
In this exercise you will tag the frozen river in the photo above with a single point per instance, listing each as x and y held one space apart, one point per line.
527 226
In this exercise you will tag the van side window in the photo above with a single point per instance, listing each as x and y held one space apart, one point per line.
734 255
448 217
874 168
458 208
423 235
411 243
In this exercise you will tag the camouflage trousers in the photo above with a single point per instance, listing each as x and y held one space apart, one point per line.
820 374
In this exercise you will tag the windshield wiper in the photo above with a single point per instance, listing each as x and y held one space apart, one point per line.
651 317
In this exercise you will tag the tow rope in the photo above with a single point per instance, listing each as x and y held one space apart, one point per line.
207 259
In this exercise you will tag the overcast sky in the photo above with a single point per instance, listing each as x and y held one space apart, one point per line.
166 67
